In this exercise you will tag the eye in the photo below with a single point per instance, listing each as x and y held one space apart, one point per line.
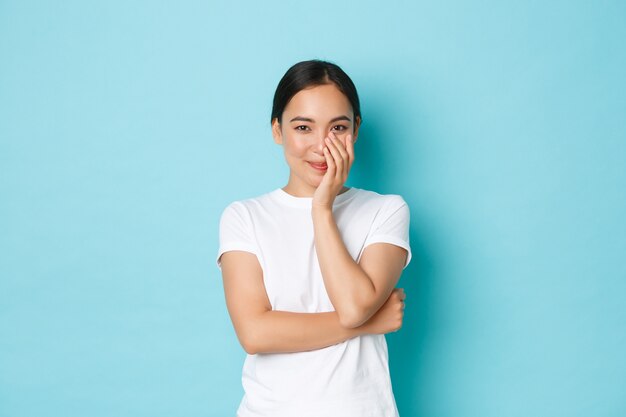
304 127
341 128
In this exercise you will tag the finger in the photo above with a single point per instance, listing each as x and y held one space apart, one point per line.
335 148
330 162
350 150
344 154
336 155
341 147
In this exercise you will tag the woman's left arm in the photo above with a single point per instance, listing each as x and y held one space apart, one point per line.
356 290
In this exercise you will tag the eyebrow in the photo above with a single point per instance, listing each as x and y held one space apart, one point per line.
307 119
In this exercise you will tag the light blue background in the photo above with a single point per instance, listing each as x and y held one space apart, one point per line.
127 126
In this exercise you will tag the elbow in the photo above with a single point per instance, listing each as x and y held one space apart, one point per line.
249 343
351 319
250 348
251 335
356 310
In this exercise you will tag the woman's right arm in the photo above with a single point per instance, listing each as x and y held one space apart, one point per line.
263 330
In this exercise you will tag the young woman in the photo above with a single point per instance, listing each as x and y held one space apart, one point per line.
309 269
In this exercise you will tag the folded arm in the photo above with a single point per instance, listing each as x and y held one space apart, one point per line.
262 330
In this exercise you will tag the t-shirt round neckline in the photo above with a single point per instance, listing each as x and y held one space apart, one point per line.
305 202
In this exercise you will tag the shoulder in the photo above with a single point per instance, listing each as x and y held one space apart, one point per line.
246 205
386 201
242 211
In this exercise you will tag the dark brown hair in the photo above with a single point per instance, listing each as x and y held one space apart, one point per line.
311 73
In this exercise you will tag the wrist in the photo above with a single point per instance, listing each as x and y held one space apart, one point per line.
321 212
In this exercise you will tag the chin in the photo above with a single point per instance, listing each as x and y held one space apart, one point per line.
315 181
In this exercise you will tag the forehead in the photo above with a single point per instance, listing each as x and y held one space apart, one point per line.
322 100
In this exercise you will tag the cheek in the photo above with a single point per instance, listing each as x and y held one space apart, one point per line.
295 148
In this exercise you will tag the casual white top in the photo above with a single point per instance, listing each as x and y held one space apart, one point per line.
348 379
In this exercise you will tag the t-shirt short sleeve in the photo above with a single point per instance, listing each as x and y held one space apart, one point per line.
392 225
236 232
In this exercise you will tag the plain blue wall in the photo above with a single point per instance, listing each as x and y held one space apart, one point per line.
127 126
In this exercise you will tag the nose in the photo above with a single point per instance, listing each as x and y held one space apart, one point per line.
320 142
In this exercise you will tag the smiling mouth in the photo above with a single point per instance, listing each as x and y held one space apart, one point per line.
319 166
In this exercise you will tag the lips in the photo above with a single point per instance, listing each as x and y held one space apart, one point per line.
321 166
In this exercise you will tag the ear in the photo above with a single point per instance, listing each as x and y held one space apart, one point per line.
276 132
357 125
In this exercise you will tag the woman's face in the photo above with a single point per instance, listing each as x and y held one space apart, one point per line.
307 120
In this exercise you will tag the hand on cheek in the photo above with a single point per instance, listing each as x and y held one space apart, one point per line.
339 158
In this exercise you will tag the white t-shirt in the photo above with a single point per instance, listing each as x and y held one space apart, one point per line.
348 379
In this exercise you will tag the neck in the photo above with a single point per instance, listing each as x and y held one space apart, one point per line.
297 189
